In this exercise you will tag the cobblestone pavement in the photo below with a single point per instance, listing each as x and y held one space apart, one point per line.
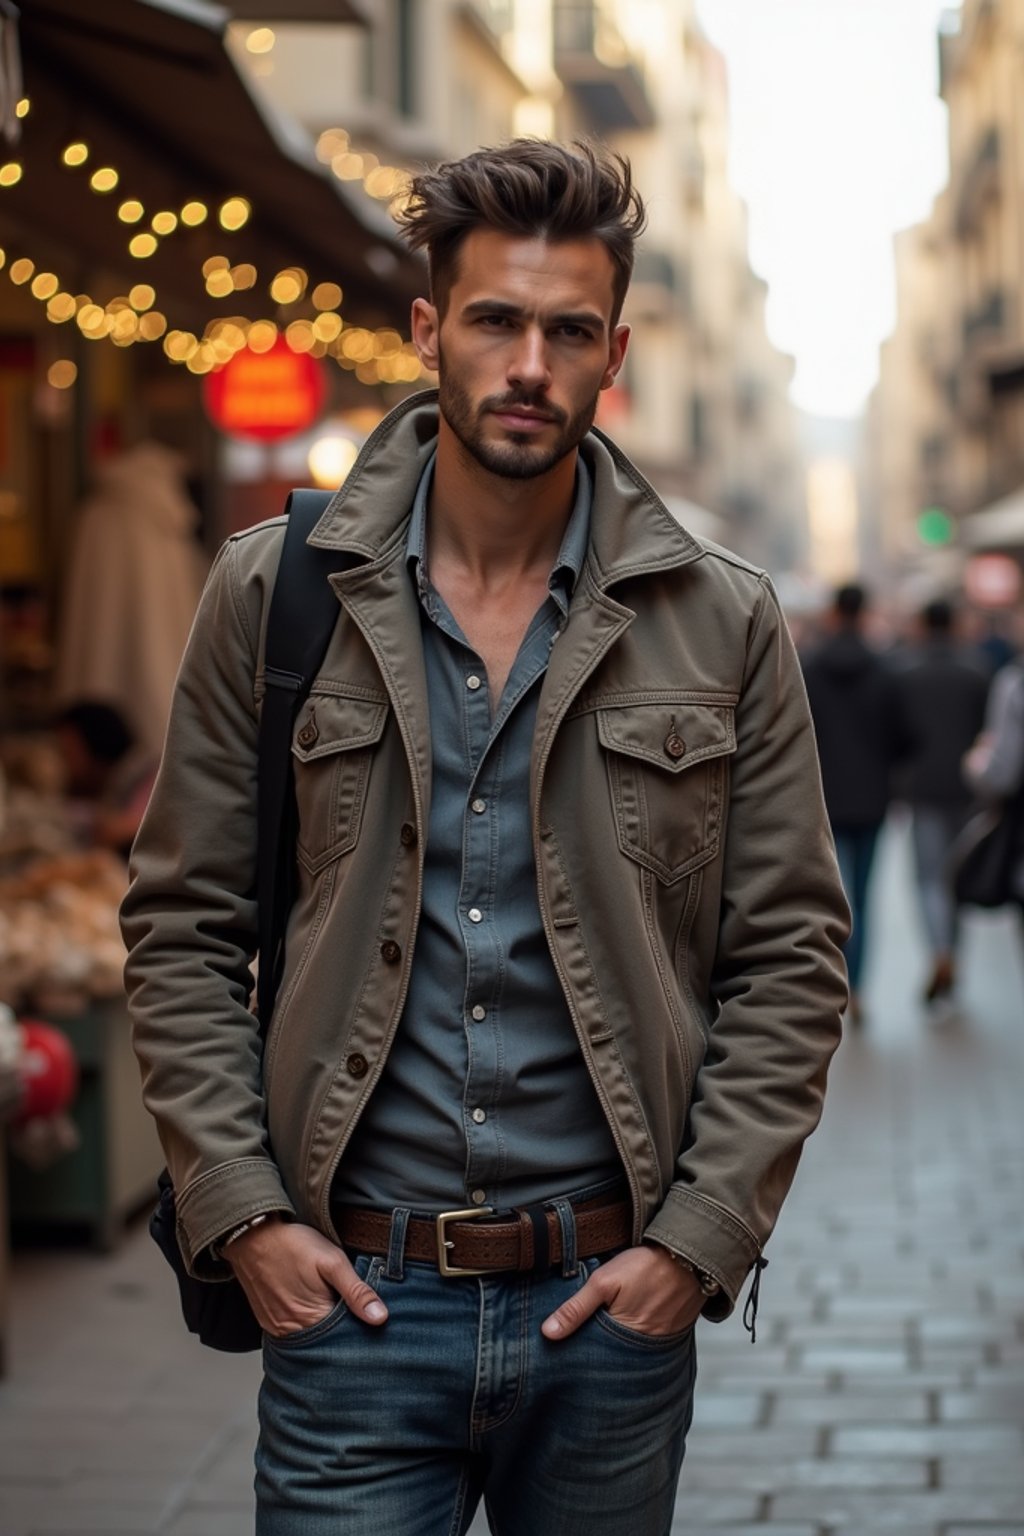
885 1391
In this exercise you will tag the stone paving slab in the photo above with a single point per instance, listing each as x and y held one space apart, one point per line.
885 1393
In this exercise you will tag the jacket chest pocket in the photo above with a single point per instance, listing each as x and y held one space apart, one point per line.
667 777
333 745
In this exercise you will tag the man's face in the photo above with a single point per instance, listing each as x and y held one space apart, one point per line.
525 348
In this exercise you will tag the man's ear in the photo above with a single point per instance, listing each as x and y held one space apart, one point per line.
616 355
425 327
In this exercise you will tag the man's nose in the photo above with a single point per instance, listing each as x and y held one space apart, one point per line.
529 364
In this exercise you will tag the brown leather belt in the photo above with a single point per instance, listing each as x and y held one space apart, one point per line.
472 1243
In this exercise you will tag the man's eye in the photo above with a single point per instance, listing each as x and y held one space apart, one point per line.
575 332
495 320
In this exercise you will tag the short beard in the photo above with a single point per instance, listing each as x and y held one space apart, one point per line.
519 458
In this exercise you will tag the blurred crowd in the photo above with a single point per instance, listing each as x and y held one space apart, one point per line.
927 714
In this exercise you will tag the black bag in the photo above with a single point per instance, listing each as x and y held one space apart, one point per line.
303 612
984 855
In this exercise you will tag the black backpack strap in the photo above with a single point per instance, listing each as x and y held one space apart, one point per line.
303 613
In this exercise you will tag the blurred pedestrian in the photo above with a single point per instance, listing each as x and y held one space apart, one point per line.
942 689
106 771
853 700
994 767
564 874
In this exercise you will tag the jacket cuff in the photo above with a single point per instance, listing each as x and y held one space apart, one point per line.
220 1201
711 1238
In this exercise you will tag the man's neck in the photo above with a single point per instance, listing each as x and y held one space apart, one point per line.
496 528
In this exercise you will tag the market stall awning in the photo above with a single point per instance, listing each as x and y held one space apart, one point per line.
148 87
999 526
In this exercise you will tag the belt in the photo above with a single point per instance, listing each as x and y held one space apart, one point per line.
470 1243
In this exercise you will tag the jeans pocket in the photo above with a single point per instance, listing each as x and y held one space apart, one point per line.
655 1342
367 1269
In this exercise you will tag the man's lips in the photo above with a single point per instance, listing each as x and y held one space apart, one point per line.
522 421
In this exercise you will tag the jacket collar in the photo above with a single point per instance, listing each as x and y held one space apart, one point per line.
632 531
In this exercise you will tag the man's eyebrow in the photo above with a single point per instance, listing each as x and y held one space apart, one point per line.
583 317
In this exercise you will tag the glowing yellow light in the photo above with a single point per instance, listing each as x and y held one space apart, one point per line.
234 213
10 174
60 308
327 296
299 336
142 296
367 373
62 374
357 345
76 153
90 316
219 284
285 288
333 141
327 327
260 40
387 343
385 181
126 324
244 275
152 325
230 335
3 256
330 460
164 223
142 245
21 270
130 211
215 264
203 359
45 285
104 180
347 166
180 345
22 109
194 213
262 335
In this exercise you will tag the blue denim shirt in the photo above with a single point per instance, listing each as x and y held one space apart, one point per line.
485 1098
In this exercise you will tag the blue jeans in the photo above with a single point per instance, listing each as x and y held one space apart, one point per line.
399 1430
935 827
855 852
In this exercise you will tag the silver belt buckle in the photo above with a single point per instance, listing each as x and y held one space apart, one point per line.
444 1243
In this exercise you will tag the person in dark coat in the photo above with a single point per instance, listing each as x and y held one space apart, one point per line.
852 697
943 687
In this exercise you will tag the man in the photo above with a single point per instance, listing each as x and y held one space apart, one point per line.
853 704
942 690
563 973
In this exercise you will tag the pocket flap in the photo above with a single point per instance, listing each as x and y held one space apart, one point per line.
327 723
671 736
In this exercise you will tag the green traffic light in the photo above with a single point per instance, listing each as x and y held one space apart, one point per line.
935 526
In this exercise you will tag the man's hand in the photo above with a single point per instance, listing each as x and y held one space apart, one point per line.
293 1277
643 1288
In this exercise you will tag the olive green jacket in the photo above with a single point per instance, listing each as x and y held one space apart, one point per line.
685 871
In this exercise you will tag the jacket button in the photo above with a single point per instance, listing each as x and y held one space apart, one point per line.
408 834
390 952
357 1065
309 734
675 746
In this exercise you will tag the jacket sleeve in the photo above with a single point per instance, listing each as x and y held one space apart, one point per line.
778 985
999 772
189 922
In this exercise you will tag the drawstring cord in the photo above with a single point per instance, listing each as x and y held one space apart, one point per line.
753 1297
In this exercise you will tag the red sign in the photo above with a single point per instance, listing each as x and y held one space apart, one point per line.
266 395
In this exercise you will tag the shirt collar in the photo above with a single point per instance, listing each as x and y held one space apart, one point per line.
566 569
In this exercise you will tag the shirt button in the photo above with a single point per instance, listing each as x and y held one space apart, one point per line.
357 1065
390 952
479 806
479 1196
473 682
479 1012
408 835
479 1116
475 915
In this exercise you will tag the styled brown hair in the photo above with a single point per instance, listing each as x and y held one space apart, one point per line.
531 188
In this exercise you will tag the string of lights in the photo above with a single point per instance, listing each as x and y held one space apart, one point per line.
375 356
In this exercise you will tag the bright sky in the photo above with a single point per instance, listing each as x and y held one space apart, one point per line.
838 140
